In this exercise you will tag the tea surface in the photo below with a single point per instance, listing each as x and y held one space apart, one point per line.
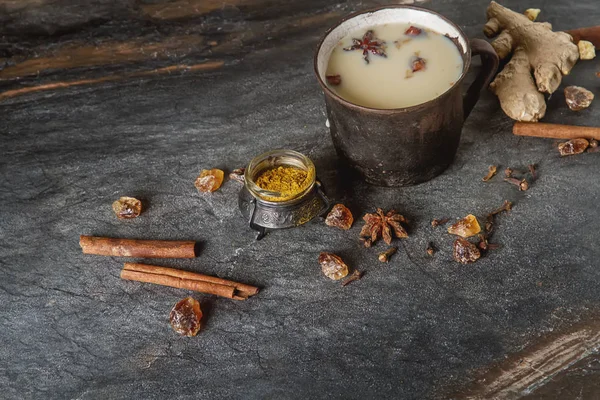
393 66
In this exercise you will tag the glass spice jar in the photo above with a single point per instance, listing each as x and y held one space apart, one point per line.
269 209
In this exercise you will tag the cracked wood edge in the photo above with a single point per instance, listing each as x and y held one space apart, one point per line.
522 373
183 68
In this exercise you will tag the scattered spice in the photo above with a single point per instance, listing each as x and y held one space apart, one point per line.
381 225
209 180
593 146
573 146
367 242
417 63
532 170
333 266
238 175
491 172
437 222
489 223
587 50
368 44
506 206
287 181
185 317
465 252
430 249
508 172
356 275
532 13
466 227
484 245
340 217
522 184
399 43
385 256
578 98
334 80
127 207
413 31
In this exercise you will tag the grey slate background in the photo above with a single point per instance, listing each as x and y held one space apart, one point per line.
70 328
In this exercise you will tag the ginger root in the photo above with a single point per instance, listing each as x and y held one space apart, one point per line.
535 47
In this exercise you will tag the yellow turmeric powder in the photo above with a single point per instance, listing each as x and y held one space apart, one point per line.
285 180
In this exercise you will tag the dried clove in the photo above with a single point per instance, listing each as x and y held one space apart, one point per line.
491 172
506 206
522 184
430 249
508 172
437 222
532 170
593 146
385 256
356 275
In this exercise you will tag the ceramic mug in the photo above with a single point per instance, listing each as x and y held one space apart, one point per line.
403 146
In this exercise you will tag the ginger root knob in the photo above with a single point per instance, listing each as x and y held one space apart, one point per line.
534 47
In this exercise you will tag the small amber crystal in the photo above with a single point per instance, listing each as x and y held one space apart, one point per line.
465 252
340 217
209 180
332 266
127 207
185 317
578 98
466 227
573 146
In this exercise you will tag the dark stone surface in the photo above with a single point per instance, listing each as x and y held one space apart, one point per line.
70 328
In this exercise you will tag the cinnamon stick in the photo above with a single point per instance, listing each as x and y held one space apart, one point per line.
555 131
591 34
187 280
137 248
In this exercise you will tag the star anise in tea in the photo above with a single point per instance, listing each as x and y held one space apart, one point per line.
185 317
127 207
380 224
417 63
465 252
340 217
368 44
413 31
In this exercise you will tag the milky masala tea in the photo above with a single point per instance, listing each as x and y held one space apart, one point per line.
393 65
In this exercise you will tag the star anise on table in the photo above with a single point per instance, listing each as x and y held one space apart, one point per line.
368 44
380 224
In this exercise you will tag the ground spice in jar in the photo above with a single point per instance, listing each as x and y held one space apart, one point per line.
285 180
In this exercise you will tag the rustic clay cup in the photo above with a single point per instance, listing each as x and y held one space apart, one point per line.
403 146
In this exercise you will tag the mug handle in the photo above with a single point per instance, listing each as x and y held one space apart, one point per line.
489 66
